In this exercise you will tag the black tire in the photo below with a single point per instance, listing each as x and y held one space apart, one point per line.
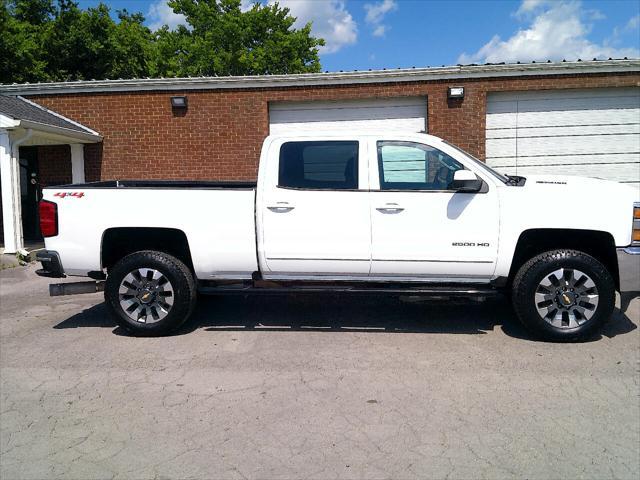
528 278
180 279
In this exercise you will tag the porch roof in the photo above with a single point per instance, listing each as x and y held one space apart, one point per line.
48 127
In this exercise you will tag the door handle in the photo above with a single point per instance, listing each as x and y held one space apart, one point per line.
281 207
390 208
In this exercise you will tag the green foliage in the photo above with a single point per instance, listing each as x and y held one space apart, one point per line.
43 41
223 40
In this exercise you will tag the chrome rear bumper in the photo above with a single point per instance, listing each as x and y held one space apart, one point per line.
629 269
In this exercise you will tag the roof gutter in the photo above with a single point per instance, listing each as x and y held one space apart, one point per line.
460 72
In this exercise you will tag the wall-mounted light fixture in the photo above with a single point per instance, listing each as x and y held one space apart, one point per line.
455 92
179 102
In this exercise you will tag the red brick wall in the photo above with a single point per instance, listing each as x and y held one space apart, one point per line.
221 134
54 165
92 161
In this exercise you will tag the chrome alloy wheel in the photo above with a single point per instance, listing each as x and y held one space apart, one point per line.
566 298
146 295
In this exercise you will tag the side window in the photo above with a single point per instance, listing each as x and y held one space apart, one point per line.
331 165
413 166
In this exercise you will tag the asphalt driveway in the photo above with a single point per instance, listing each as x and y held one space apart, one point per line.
319 387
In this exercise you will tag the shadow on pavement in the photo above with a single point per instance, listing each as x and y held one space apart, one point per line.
344 313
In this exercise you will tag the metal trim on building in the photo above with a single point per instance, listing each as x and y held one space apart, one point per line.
459 72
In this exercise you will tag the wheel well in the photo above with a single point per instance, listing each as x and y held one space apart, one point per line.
599 245
119 242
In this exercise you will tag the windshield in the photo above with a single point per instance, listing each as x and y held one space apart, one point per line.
482 165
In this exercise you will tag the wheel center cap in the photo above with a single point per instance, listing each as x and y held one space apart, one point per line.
566 299
146 296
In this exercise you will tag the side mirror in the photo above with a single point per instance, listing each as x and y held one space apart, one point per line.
465 181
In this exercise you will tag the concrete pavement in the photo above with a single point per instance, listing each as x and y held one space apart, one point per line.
316 388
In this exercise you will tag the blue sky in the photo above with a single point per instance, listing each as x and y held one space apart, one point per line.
364 34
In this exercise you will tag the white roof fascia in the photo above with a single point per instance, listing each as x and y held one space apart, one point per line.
66 132
8 122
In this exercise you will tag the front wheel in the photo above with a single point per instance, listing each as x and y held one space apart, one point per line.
563 295
150 293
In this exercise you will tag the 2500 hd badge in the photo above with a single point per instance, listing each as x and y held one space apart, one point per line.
469 244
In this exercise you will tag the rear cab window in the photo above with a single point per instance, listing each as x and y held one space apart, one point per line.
319 165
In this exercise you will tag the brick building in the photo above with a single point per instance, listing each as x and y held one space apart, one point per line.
571 117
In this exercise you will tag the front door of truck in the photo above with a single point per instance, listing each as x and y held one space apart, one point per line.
314 209
421 227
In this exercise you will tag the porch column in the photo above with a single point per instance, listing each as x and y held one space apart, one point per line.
11 211
77 163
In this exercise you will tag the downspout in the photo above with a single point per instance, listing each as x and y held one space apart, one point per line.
16 143
15 177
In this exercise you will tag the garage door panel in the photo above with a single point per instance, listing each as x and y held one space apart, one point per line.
595 144
347 114
579 104
404 113
619 172
501 147
500 106
562 119
348 103
554 94
501 120
413 125
560 131
580 117
575 160
566 132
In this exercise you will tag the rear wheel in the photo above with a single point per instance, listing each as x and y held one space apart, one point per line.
563 295
150 293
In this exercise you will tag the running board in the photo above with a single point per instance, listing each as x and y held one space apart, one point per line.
75 288
363 289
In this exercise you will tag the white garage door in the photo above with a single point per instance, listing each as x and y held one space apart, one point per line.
593 133
404 113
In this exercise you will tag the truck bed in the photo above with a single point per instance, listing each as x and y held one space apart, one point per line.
217 219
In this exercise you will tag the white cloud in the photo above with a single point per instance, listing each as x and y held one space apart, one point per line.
528 6
633 23
376 13
331 21
630 28
558 30
160 14
379 31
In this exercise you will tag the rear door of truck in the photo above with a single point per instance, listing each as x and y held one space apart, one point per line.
314 208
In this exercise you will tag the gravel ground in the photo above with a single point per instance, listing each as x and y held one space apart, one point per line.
319 387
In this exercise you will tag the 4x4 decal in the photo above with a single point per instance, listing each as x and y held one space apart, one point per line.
69 194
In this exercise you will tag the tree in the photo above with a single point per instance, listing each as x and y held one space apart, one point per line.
21 47
224 40
91 45
43 41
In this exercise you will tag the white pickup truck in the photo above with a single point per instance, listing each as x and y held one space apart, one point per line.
388 213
